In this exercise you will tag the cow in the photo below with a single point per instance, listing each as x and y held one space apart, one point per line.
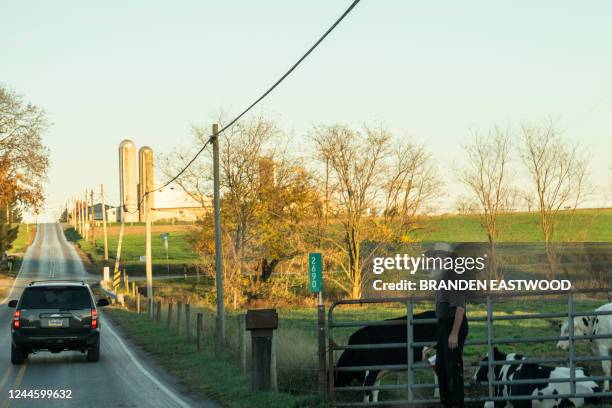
591 325
429 355
382 356
530 371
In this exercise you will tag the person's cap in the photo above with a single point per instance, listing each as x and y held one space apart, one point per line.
439 248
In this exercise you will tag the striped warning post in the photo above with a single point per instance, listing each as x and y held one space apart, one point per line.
116 280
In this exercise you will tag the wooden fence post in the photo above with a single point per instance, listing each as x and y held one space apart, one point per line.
322 356
242 343
188 320
179 312
169 322
199 328
158 312
273 373
138 302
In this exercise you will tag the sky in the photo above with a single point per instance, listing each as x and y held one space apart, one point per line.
430 71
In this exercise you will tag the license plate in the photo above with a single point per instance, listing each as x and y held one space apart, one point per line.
55 323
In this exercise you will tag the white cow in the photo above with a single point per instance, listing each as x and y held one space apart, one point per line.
590 325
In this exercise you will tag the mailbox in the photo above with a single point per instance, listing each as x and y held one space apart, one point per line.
261 322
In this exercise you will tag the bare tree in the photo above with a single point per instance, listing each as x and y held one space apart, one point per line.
558 173
411 182
487 176
366 173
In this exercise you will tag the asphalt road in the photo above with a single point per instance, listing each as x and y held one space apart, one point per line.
122 378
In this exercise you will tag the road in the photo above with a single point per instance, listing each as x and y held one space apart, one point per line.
122 378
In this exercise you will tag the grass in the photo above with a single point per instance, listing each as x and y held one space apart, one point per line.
589 225
24 239
180 255
203 373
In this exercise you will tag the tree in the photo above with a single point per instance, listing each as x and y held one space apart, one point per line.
367 173
266 195
23 162
558 174
487 176
23 158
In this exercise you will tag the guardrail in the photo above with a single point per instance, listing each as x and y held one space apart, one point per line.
410 366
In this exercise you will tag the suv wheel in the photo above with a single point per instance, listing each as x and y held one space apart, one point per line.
93 354
17 355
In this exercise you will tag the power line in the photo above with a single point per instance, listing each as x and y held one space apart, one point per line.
252 105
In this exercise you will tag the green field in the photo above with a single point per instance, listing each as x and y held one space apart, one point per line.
179 251
581 226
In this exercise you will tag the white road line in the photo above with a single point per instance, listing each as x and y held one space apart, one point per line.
161 386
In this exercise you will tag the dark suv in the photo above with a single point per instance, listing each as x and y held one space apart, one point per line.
55 316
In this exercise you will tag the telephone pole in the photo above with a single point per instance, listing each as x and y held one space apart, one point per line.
73 213
93 219
86 217
80 216
148 252
104 224
220 326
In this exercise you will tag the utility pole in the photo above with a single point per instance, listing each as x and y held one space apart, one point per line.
104 224
148 252
74 216
86 217
79 218
93 220
220 326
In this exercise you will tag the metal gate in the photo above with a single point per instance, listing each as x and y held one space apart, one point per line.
411 367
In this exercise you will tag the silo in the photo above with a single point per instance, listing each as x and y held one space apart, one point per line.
145 180
128 181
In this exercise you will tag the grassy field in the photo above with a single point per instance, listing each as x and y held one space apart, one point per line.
180 254
590 225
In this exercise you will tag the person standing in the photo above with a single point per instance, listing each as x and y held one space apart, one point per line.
452 331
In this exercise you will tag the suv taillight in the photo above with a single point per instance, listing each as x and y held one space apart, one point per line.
94 319
16 317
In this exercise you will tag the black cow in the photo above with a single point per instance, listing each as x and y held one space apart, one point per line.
384 356
530 371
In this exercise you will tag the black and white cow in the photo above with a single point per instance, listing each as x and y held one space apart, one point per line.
530 371
384 356
590 325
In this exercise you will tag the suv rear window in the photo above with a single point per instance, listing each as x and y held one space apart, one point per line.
57 297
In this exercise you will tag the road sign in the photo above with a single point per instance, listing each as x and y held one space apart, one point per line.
315 272
164 236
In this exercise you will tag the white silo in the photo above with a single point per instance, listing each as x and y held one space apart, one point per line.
128 180
145 180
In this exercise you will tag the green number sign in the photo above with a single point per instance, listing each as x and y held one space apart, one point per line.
315 272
